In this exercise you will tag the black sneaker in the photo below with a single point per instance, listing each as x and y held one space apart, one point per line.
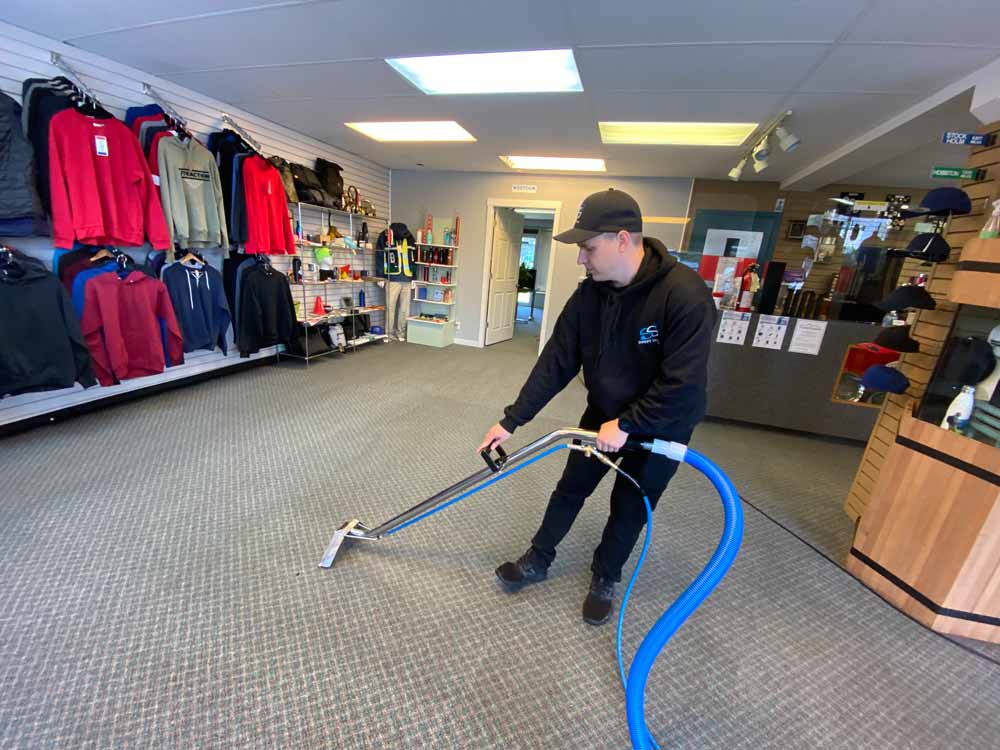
597 605
529 568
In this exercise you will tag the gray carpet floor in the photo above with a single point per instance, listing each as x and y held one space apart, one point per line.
161 587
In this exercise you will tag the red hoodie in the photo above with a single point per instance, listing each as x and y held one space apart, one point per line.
121 325
102 192
268 228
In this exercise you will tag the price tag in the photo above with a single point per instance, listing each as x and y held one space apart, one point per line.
101 145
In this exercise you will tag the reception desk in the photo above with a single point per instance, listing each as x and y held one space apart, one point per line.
779 388
929 540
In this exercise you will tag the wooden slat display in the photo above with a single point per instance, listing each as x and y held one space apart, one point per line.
932 326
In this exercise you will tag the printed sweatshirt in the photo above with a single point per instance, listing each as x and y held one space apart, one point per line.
191 194
643 349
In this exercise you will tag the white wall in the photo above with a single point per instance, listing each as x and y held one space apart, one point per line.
417 193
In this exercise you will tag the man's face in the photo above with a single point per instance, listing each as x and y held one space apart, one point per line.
600 256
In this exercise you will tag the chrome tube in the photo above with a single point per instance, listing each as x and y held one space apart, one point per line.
585 437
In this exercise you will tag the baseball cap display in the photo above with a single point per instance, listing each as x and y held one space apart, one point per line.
906 297
607 211
898 339
941 202
929 247
885 378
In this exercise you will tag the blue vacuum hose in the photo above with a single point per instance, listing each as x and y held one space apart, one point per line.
671 620
693 596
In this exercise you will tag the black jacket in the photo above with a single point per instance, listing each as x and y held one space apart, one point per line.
643 348
18 197
266 310
41 347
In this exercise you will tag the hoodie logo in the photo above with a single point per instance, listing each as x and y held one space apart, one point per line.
649 335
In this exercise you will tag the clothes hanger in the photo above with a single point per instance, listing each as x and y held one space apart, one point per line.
102 254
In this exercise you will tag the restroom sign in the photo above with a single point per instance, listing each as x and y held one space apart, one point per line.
522 188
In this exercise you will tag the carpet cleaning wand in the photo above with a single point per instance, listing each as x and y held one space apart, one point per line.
585 441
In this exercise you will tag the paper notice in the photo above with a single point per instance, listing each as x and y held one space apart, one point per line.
733 328
770 333
808 336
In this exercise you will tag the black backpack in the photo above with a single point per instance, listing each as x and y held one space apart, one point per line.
309 188
331 179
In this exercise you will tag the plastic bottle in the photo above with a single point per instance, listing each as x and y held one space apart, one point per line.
361 298
992 229
960 409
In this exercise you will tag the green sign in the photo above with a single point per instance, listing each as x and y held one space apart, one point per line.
955 173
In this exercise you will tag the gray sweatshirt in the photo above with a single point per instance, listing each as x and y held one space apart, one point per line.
191 194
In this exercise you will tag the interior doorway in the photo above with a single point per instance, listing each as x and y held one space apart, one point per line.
516 271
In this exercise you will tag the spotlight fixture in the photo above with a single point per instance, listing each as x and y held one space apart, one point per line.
758 155
761 151
787 140
736 172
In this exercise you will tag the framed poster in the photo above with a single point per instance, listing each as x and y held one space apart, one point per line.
796 230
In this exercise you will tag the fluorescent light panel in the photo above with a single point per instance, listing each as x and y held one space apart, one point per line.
677 133
442 130
492 72
558 163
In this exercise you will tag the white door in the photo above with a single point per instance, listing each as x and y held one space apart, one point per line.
508 225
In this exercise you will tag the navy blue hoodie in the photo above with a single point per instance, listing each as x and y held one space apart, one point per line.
643 348
199 302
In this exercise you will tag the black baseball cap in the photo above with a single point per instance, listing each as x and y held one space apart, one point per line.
941 202
906 297
898 339
929 247
607 211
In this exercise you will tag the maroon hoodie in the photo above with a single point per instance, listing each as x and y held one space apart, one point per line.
121 325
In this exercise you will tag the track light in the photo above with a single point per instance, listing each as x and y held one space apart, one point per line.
761 151
759 165
736 172
787 140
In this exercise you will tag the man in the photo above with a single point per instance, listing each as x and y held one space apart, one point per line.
640 326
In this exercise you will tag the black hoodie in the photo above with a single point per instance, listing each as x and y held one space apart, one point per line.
643 348
41 347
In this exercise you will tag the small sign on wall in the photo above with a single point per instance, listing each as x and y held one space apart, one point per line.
522 188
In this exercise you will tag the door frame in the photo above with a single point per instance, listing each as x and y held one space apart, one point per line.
491 205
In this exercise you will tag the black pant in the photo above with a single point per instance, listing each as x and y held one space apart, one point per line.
628 513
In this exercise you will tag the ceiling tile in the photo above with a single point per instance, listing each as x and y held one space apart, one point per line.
337 31
656 21
895 68
732 67
930 21
684 106
72 20
371 78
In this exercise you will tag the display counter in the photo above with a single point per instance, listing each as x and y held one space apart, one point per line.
929 541
779 388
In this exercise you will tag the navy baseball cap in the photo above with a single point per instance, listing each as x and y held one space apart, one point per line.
898 339
907 297
885 378
607 211
941 202
929 247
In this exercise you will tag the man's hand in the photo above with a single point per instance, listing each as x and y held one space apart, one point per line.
494 437
610 439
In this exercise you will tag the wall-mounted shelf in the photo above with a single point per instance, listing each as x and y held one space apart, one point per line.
432 283
433 265
338 211
446 247
432 302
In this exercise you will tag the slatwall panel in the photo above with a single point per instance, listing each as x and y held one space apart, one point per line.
26 55
930 329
